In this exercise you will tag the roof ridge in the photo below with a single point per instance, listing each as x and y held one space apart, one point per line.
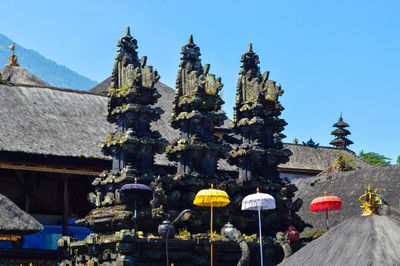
54 88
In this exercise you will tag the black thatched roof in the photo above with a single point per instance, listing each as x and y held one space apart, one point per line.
50 121
317 159
15 221
18 75
358 241
348 186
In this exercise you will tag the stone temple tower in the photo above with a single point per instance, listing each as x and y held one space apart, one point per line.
196 112
256 120
132 146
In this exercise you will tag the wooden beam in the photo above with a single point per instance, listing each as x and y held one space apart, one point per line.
297 170
65 207
47 169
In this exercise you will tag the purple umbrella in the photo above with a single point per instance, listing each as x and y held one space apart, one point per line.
138 191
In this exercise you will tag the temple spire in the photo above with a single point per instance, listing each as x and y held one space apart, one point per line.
12 59
250 48
341 141
196 111
191 39
128 33
256 120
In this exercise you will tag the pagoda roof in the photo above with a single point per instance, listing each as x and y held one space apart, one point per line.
340 123
14 221
340 132
361 241
348 186
18 75
341 141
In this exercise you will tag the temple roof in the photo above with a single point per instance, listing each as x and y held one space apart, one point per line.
15 221
340 123
361 241
52 121
348 186
62 122
19 75
340 132
316 159
341 141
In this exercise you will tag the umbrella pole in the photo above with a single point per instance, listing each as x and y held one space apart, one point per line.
211 224
327 222
259 227
134 239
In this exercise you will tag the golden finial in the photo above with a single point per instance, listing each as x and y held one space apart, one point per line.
370 201
12 59
295 141
258 190
325 193
135 180
212 186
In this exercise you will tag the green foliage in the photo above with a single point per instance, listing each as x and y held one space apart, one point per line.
344 162
184 234
398 159
374 158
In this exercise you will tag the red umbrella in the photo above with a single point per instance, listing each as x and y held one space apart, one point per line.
325 204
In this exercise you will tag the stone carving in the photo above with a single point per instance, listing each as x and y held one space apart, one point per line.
235 235
283 241
311 143
196 112
260 149
132 146
256 119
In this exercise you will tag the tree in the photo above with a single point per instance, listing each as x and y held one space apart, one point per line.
398 159
375 158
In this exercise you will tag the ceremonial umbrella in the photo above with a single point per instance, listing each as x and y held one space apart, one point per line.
211 198
257 202
325 204
137 191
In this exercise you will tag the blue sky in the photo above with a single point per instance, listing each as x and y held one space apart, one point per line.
331 57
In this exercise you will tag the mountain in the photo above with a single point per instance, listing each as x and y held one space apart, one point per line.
47 70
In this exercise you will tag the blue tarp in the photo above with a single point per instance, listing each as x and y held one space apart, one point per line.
47 239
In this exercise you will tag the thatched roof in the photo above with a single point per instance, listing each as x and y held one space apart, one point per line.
348 186
18 75
317 159
358 241
52 121
15 221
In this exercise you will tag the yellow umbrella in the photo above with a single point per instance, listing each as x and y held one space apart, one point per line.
211 198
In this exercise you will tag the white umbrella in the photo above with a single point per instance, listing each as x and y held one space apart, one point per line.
258 202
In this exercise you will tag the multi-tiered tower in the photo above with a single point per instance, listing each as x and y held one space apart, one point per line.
196 112
132 146
256 120
341 141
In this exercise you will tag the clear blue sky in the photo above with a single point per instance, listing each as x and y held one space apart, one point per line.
329 56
